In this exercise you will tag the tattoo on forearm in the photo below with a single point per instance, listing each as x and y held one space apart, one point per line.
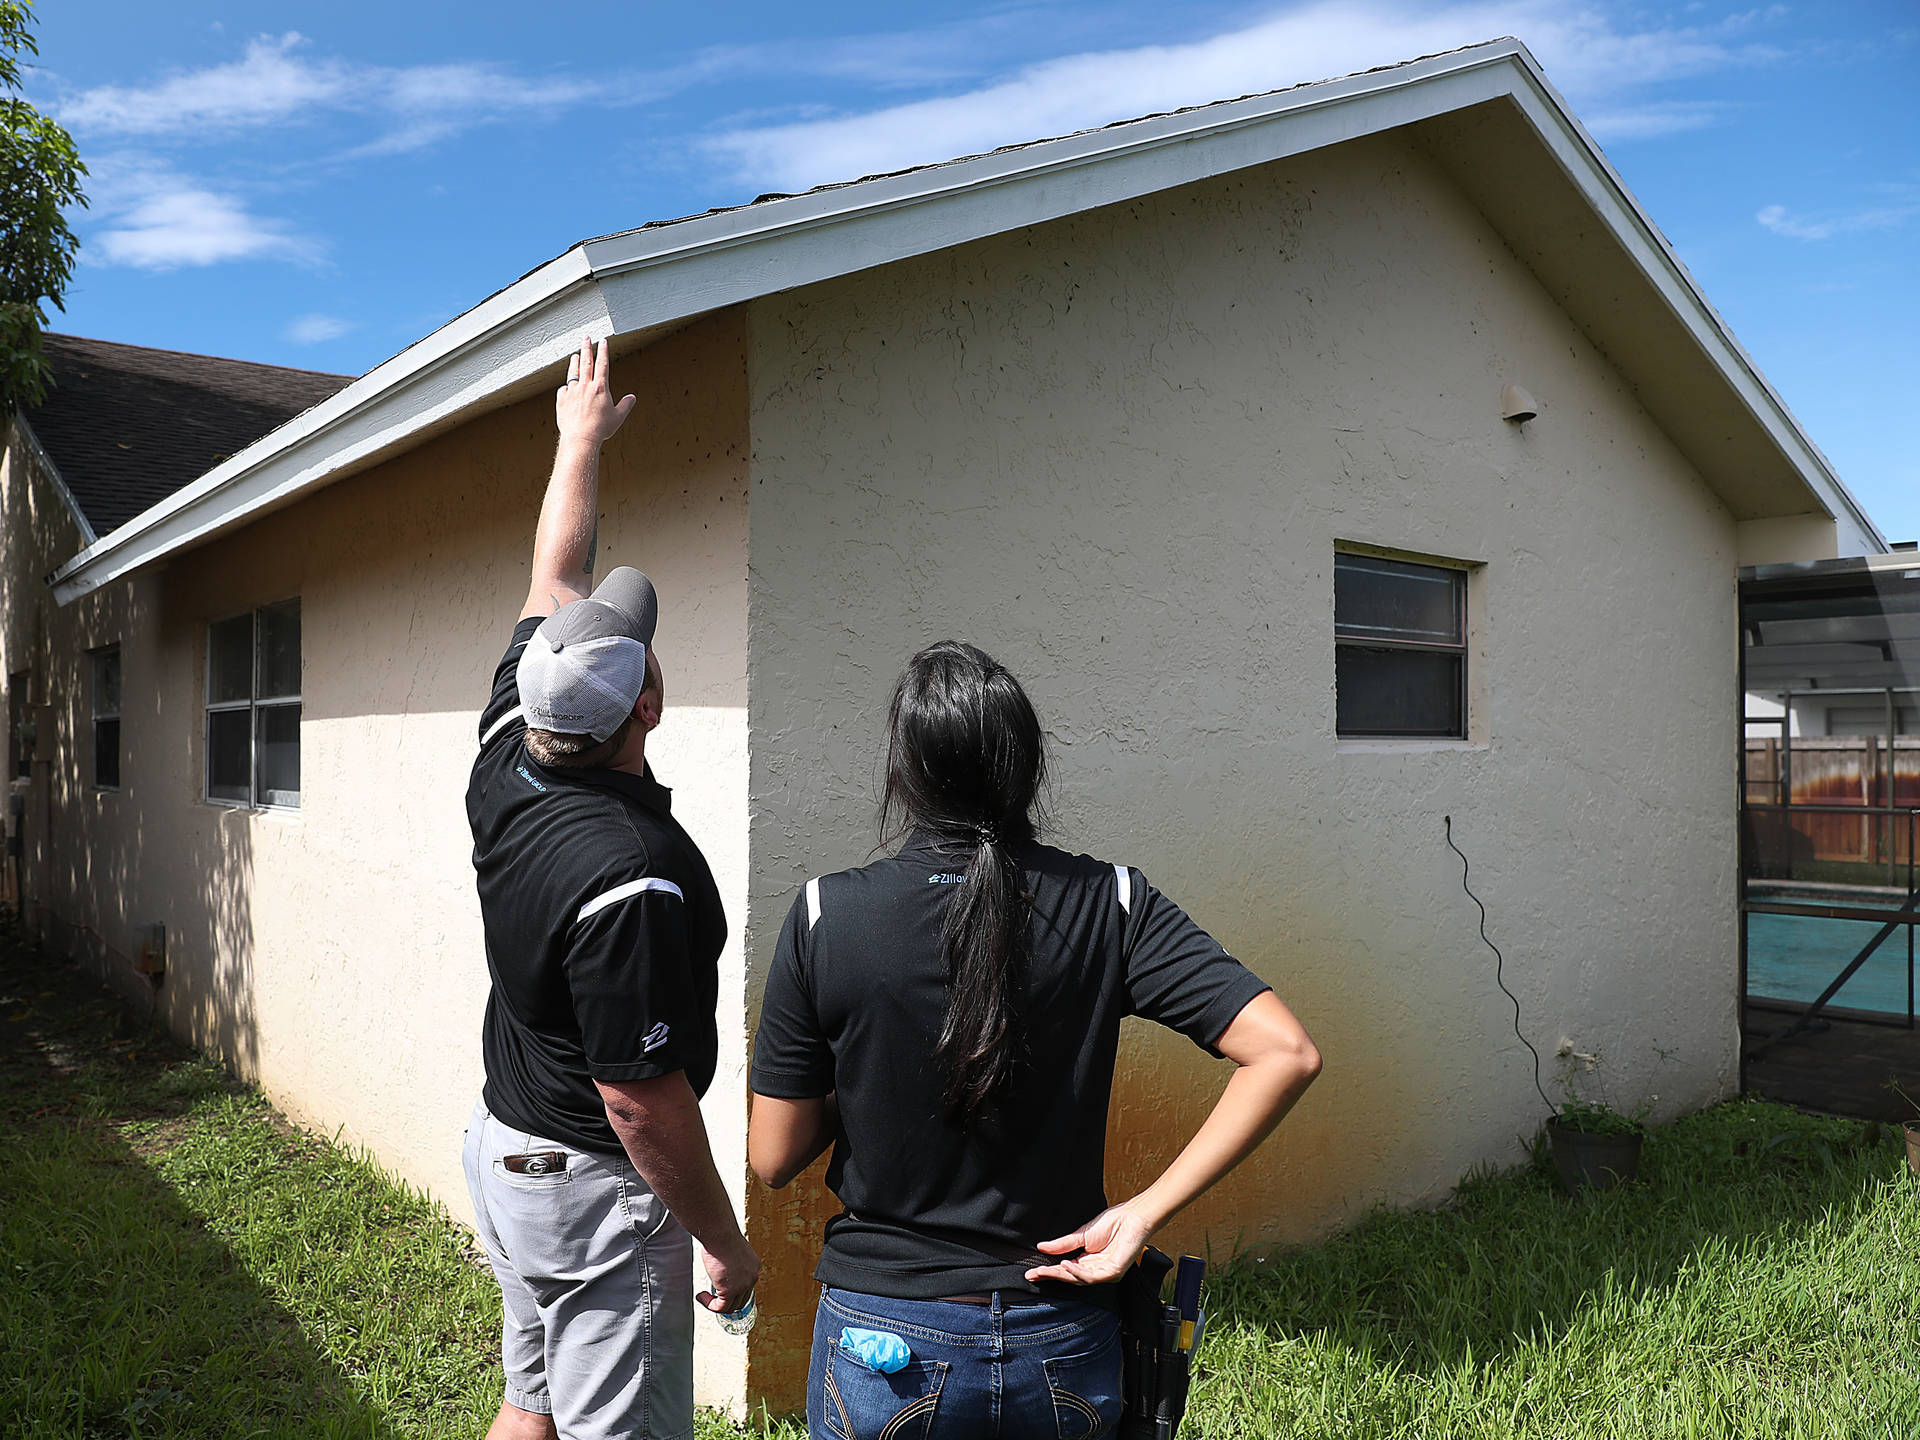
593 545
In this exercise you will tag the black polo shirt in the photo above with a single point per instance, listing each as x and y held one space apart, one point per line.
603 928
854 1005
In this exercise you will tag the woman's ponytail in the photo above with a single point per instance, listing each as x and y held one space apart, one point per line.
966 761
983 943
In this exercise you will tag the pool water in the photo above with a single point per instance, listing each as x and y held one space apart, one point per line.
1795 957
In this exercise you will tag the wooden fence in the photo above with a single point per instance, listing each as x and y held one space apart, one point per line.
1837 773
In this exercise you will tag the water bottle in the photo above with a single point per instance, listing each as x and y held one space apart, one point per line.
739 1322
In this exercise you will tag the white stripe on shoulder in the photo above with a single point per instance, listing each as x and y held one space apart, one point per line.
1125 877
518 712
813 902
627 892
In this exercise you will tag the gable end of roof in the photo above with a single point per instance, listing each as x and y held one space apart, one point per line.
638 284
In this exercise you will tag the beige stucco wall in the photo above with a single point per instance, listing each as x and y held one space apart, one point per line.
333 954
47 646
1785 539
1118 451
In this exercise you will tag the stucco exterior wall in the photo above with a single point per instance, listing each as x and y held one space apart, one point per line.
1118 451
333 953
1789 538
47 647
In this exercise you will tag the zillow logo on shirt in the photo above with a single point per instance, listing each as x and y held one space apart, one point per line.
656 1037
522 772
946 877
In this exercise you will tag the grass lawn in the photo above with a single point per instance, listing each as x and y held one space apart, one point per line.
176 1261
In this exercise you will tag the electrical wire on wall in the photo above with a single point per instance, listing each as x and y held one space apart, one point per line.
1499 962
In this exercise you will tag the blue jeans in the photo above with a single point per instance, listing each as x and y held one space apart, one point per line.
1032 1369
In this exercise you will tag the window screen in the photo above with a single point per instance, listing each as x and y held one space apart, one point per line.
253 707
21 752
1400 648
106 718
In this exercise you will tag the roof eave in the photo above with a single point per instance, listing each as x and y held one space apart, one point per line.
507 338
1607 192
658 277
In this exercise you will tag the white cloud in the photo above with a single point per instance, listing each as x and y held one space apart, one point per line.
1650 121
271 83
1784 222
155 219
1588 56
317 329
275 82
435 89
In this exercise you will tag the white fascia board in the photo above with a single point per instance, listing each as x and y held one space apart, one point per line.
1607 193
30 442
676 271
507 338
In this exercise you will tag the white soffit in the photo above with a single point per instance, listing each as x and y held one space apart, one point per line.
662 276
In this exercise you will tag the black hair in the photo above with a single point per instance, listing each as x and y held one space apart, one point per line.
966 763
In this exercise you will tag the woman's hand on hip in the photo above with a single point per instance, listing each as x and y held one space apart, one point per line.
1100 1251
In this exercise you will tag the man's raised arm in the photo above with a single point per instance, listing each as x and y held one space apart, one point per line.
563 545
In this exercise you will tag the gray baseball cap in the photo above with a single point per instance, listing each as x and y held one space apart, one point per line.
587 663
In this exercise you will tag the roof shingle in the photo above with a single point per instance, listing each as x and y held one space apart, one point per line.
127 426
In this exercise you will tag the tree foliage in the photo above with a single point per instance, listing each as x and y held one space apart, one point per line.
39 179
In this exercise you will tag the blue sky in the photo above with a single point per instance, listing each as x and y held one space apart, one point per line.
321 185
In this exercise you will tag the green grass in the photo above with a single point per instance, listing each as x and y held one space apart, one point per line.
178 1262
175 1261
1763 1280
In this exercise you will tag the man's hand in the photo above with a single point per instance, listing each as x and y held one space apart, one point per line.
1108 1245
659 1125
731 1276
568 533
584 407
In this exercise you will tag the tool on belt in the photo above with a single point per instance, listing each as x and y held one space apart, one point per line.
1157 1341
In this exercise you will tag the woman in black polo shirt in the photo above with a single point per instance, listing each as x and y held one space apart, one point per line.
946 1019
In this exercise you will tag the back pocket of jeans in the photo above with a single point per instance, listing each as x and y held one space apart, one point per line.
546 1180
1086 1391
863 1404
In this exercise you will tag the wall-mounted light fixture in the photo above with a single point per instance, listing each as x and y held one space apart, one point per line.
1516 405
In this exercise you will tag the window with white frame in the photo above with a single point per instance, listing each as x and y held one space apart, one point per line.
106 718
253 707
1400 649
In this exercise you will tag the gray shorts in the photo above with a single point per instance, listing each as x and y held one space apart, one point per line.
596 1280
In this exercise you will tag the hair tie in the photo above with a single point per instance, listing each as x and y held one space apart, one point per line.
987 833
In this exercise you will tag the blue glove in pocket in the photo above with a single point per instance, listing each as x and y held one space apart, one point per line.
878 1350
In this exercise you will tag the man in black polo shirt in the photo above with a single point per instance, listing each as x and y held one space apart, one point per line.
587 1158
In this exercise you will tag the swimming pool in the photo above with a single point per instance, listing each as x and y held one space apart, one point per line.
1795 957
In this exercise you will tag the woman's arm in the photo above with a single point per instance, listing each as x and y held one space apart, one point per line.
786 1136
1275 1061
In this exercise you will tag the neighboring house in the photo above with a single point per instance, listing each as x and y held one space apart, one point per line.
1129 409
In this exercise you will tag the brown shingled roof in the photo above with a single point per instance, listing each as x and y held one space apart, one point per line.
127 426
